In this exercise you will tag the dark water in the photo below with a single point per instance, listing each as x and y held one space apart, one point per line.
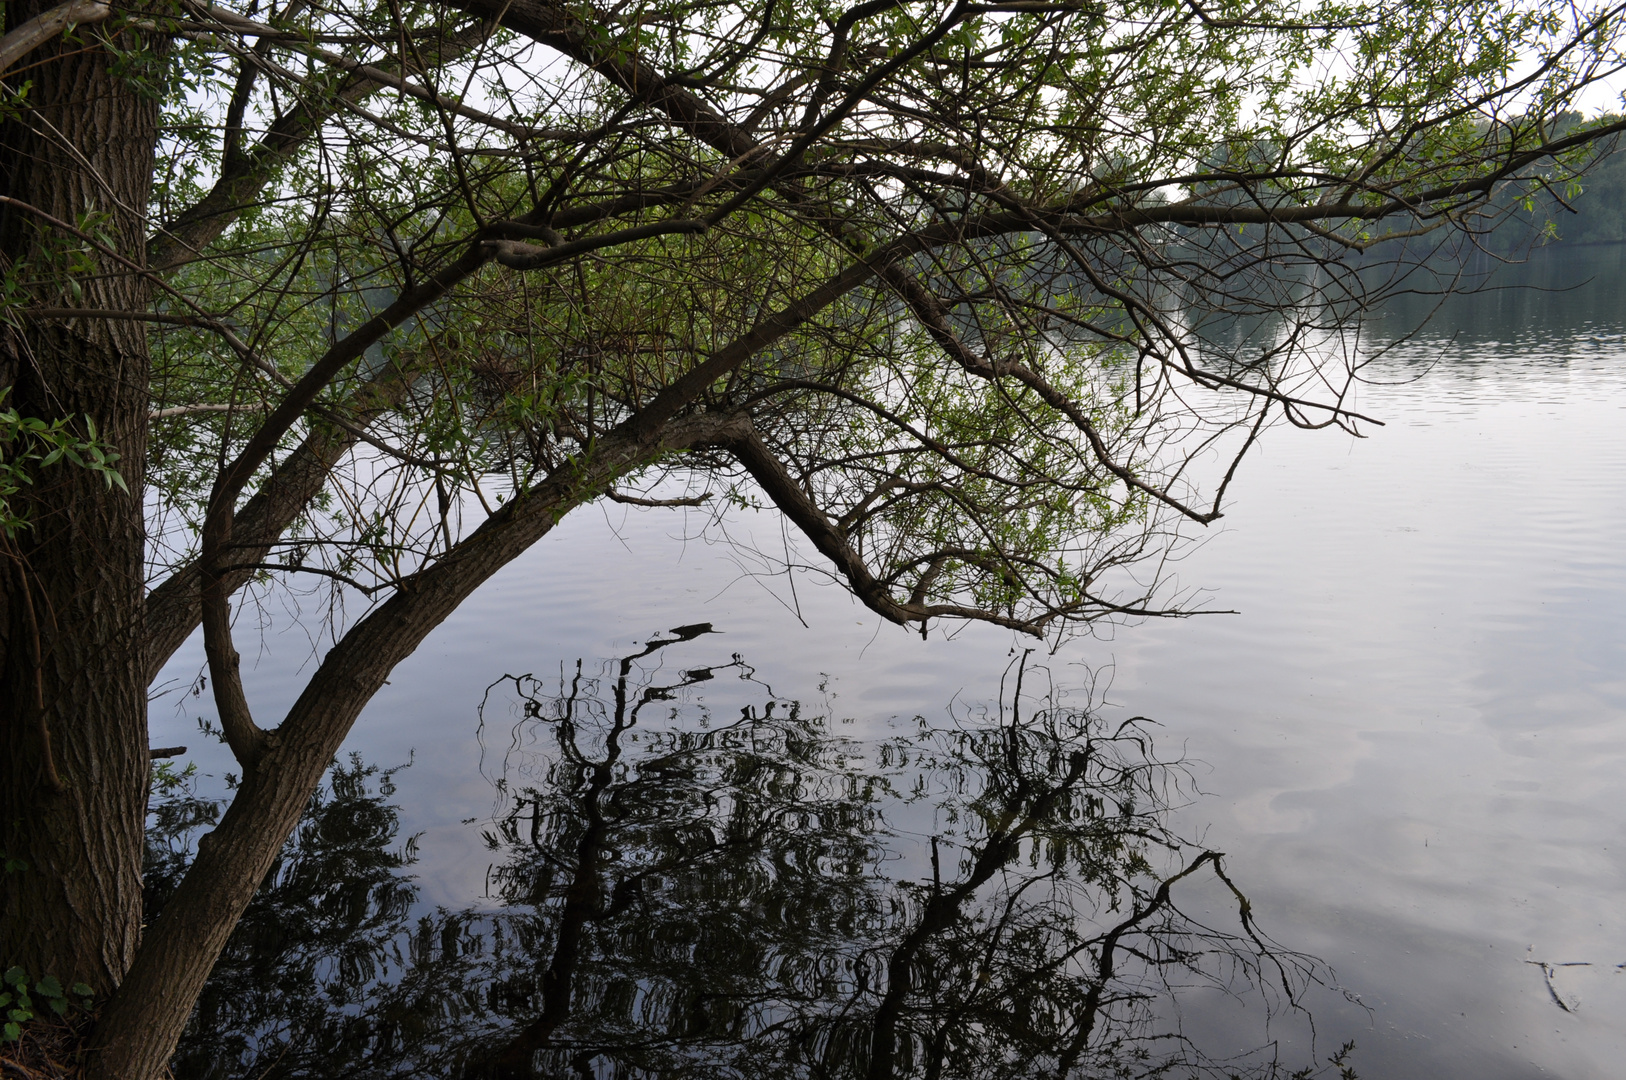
827 848
734 887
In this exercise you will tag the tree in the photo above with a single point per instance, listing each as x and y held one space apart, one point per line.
985 298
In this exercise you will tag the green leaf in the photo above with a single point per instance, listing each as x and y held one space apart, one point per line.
12 1033
49 986
16 976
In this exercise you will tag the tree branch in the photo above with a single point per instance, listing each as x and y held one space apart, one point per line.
179 949
636 500
788 496
183 238
42 28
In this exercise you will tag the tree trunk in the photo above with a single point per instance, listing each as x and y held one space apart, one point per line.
73 727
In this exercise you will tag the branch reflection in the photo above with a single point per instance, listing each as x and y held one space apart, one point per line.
684 893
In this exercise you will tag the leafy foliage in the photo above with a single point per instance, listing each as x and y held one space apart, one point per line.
1051 181
28 445
21 996
1589 208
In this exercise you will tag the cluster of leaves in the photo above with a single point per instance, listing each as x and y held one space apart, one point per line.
1580 200
19 997
1021 140
28 444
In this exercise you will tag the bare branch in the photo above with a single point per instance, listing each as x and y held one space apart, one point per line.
42 28
638 500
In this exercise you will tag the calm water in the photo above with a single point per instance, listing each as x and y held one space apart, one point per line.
1410 746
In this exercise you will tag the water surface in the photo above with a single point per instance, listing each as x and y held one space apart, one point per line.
1410 744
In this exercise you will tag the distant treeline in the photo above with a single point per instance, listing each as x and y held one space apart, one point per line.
1596 214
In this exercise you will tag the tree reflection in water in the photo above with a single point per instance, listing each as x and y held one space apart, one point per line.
684 895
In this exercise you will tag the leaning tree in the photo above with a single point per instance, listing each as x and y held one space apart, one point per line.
988 299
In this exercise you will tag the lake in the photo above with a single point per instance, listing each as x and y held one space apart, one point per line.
1409 743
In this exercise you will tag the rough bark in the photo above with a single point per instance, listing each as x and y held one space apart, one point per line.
73 734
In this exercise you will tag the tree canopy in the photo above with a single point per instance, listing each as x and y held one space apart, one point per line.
988 300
